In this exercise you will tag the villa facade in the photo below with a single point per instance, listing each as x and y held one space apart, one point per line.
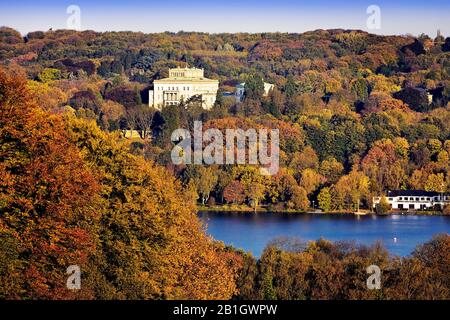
182 84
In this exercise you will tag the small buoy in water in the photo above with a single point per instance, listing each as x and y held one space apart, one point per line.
395 239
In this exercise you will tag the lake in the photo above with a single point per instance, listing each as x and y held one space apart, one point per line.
253 231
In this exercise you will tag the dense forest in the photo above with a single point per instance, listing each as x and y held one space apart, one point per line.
358 114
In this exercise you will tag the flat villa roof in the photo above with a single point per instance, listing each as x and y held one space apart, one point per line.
183 80
415 193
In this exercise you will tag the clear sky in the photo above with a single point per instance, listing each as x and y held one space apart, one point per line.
397 17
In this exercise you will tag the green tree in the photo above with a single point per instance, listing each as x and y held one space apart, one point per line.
138 98
324 199
383 206
290 88
255 194
49 74
254 87
361 89
170 121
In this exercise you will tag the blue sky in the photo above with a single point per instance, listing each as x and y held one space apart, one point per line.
401 17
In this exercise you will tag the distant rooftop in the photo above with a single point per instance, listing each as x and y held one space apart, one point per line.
414 193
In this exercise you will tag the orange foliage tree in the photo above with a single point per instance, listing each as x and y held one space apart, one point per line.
47 195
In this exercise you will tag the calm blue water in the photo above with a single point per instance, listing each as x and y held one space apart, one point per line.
252 232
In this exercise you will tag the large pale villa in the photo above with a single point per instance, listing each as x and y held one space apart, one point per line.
414 199
182 84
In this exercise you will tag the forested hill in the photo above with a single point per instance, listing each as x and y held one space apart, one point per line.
322 61
358 113
332 54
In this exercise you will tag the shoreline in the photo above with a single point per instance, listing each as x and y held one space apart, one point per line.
263 209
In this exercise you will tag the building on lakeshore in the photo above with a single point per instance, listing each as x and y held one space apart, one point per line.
414 199
182 84
240 91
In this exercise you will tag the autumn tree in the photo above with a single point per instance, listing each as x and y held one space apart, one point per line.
253 182
435 182
331 169
149 227
234 192
73 194
299 199
350 191
311 180
307 158
48 197
384 166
